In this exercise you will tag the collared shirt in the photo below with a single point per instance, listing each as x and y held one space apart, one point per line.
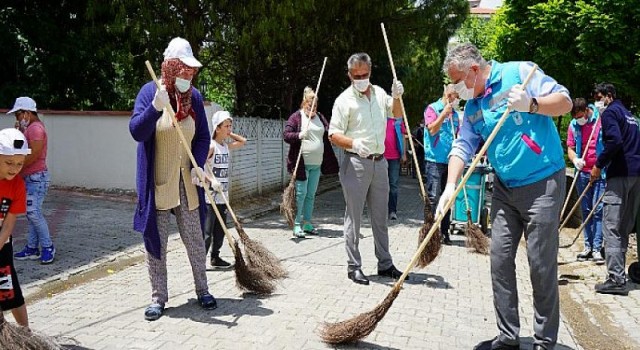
356 116
527 148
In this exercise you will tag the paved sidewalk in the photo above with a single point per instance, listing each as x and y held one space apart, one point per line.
445 306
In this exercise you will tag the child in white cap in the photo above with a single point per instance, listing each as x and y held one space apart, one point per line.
13 202
218 164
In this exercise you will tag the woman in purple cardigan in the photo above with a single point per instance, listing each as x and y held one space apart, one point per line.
164 172
308 129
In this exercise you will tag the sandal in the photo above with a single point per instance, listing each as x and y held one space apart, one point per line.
153 312
298 232
308 228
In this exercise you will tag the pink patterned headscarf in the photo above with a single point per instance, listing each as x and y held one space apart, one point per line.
180 101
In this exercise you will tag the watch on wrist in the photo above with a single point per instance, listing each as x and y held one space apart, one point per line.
533 106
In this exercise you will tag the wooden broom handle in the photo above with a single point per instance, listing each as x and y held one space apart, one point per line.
404 117
169 109
315 99
573 183
436 225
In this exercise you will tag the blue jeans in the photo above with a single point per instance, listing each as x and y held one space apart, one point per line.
394 177
593 229
37 186
306 193
436 179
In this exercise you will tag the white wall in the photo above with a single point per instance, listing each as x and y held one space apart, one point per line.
96 150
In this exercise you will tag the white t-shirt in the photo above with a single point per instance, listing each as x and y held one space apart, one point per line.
312 145
219 164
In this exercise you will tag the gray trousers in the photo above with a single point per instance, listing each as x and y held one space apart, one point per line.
191 235
533 210
621 201
365 180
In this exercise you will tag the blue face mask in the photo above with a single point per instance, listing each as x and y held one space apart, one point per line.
183 85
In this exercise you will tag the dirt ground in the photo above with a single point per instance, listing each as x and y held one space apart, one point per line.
592 321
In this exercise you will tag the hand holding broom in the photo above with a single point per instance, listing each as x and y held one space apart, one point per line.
247 277
362 325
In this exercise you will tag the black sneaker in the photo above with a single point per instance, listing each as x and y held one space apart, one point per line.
207 301
612 287
219 264
585 255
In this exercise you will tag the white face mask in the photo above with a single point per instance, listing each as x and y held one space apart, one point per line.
24 123
599 104
463 91
183 85
581 121
361 85
455 104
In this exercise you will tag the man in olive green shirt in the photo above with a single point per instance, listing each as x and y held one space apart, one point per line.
358 124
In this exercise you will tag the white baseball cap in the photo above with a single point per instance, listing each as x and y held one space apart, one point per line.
24 104
13 142
180 48
218 117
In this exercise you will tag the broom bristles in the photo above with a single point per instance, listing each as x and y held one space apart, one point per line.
16 337
359 326
251 279
431 251
288 205
476 240
259 257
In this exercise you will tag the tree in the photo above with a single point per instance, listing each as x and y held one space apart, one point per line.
577 42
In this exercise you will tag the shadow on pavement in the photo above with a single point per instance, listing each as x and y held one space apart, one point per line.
431 281
363 345
249 306
527 343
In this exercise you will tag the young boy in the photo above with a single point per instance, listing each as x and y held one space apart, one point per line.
13 202
218 162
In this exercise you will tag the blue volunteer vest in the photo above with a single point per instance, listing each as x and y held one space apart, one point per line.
397 124
438 146
527 148
577 132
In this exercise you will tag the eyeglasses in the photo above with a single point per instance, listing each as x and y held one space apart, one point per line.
360 77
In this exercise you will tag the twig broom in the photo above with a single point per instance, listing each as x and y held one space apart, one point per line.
362 325
433 249
288 205
258 256
251 279
476 240
16 337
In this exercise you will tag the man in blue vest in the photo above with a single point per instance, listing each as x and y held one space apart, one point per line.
584 144
528 160
621 156
441 120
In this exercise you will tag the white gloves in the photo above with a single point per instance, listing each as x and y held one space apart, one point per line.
578 163
198 173
397 89
161 99
518 99
359 147
444 198
303 132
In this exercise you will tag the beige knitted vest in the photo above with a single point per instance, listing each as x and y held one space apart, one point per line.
172 160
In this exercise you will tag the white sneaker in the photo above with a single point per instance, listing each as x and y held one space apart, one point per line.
597 257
